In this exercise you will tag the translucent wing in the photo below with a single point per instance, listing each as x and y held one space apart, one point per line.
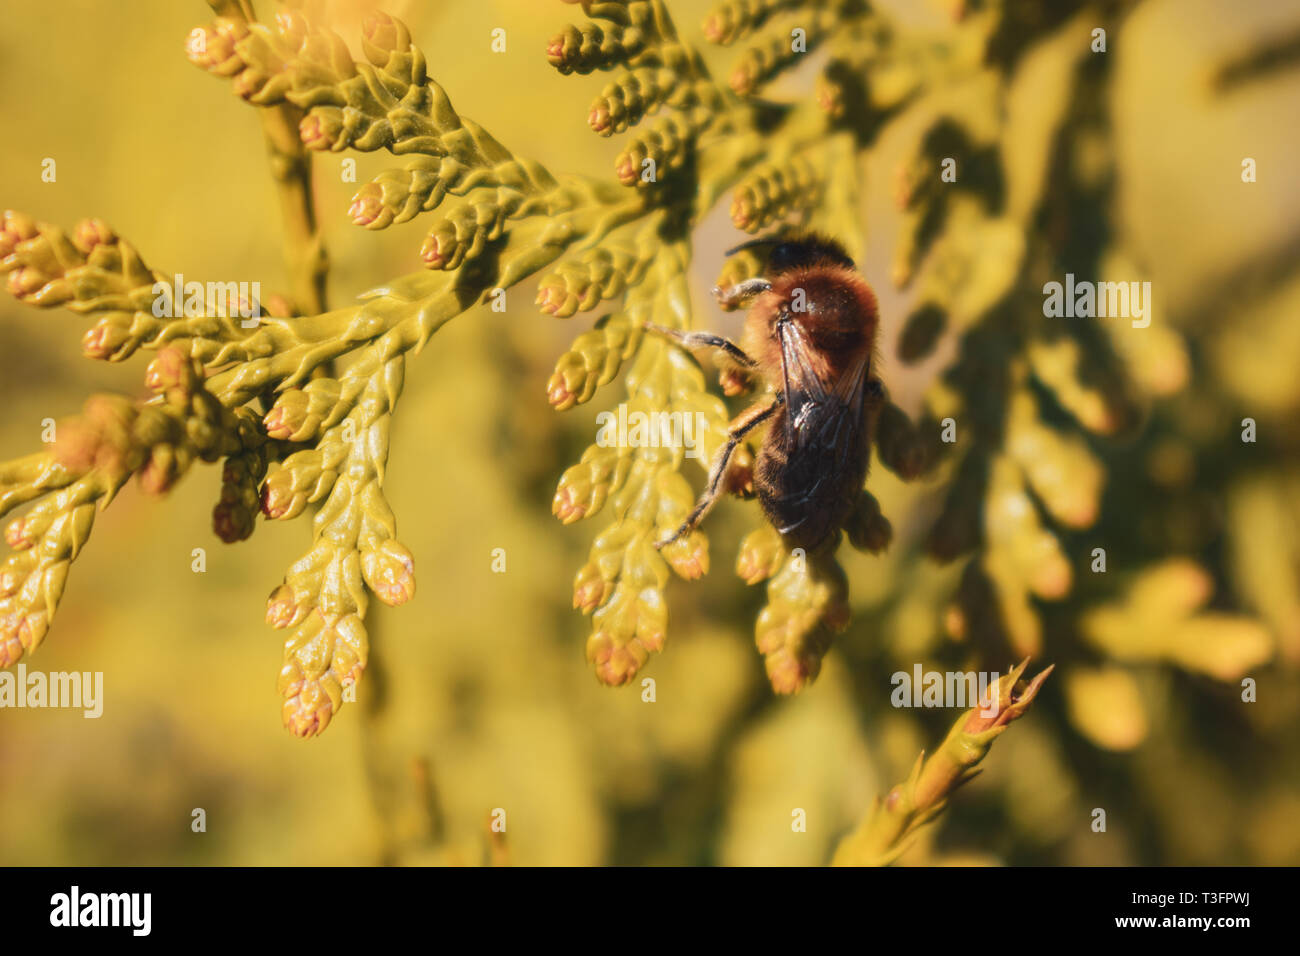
826 442
820 409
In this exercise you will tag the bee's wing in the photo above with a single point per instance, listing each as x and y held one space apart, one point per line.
802 382
819 410
825 439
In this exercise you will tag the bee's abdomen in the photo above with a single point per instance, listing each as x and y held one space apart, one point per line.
807 490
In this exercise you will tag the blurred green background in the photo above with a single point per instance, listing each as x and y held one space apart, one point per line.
478 696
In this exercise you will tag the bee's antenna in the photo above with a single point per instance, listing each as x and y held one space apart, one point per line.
769 241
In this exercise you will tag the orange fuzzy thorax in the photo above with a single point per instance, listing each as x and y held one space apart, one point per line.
839 319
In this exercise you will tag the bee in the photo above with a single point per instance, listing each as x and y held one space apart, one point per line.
810 336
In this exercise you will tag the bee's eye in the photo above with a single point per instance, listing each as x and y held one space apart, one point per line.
784 256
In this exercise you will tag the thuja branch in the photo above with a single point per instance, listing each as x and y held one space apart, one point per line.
297 429
324 436
509 217
891 826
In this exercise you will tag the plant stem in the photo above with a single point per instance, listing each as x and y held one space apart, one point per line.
891 826
304 249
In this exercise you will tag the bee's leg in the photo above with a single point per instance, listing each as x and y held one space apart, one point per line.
733 295
705 340
740 426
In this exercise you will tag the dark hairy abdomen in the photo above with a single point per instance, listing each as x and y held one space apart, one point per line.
809 485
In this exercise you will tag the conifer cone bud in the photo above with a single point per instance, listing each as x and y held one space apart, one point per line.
761 555
385 34
15 227
560 49
299 413
590 589
807 599
664 147
170 369
165 466
628 164
688 556
599 117
89 233
235 515
560 391
24 281
555 298
634 95
21 631
566 49
283 608
829 96
630 626
790 668
715 29
292 27
581 285
212 48
1004 702
368 208
773 191
281 497
321 660
732 20
567 505
320 129
593 47
593 361
101 438
436 250
389 571
308 707
11 648
249 83
19 534
744 77
13 572
288 416
230 520
583 487
106 337
615 663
